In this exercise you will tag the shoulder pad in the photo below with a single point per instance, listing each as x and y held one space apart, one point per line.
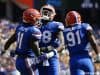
60 25
87 26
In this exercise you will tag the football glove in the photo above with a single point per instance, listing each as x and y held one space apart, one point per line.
12 53
42 57
45 56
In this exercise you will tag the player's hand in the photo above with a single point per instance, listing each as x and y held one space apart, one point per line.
39 59
97 60
42 57
12 53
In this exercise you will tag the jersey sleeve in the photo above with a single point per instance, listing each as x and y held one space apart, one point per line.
60 26
36 34
88 27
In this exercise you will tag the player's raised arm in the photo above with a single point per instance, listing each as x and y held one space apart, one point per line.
11 40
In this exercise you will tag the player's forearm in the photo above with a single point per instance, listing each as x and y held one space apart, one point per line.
7 45
60 48
35 48
95 47
10 41
94 44
37 51
61 38
92 40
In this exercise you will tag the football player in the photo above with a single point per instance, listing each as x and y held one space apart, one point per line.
51 41
27 36
78 37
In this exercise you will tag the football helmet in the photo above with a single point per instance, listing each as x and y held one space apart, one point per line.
47 12
31 16
72 17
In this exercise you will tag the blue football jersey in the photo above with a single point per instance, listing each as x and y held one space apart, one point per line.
23 35
76 38
49 34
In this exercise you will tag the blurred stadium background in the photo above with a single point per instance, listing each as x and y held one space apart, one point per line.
11 14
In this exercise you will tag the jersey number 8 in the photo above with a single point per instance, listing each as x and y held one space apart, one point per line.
46 37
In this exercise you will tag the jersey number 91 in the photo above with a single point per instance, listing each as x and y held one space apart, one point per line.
73 38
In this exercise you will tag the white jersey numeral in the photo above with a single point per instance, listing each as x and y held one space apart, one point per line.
73 38
20 37
46 36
